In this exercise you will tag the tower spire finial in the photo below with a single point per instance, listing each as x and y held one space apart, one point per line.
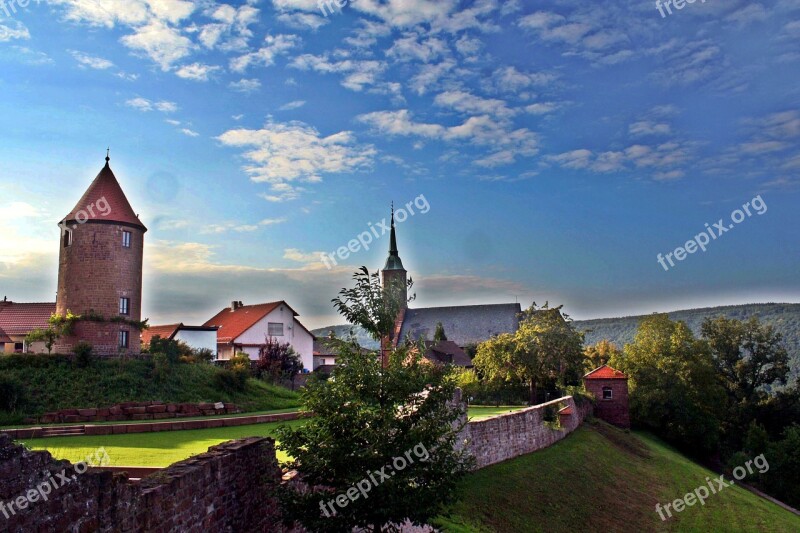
108 155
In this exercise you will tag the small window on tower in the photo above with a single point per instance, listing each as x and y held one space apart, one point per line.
67 238
608 394
123 339
124 306
126 239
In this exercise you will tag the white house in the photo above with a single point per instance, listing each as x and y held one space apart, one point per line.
244 328
198 337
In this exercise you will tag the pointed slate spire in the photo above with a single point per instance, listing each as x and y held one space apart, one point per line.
393 262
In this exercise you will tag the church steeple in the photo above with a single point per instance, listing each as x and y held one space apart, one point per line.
393 262
394 276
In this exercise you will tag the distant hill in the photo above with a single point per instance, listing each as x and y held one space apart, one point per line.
785 317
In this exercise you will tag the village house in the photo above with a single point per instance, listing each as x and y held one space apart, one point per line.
244 328
196 337
19 319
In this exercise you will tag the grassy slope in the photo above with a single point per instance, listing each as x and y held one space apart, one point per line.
481 412
52 384
603 479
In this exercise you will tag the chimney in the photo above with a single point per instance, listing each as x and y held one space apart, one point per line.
241 304
234 305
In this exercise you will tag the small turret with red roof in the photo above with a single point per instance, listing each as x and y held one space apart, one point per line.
610 388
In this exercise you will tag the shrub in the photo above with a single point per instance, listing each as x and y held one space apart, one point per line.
12 394
83 354
161 367
231 380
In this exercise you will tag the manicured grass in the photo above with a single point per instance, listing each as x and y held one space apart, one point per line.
53 383
481 412
153 449
187 419
603 479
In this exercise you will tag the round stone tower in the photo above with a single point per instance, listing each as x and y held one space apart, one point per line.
100 269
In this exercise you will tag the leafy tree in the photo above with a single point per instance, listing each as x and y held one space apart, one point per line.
278 361
600 353
365 417
439 334
749 357
546 348
674 390
47 335
369 305
174 350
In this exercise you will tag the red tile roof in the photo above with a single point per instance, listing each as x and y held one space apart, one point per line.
22 318
105 185
4 337
232 324
605 372
165 332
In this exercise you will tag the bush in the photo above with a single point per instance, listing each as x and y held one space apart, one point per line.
161 367
12 394
231 380
83 354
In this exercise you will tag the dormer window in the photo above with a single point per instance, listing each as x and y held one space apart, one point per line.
126 239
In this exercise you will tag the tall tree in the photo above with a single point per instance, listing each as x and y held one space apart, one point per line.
545 348
600 353
369 305
673 386
439 335
381 447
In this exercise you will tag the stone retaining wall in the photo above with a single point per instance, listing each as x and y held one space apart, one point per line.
507 436
132 411
230 488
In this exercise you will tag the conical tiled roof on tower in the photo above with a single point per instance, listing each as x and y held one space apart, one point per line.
105 185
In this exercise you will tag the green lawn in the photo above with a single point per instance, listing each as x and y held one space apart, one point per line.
481 412
603 479
152 449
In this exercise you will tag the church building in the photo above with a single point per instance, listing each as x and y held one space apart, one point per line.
464 325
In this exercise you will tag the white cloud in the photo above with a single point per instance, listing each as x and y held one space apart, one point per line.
292 105
510 80
357 73
143 104
190 133
245 85
196 71
465 102
649 127
18 31
281 153
302 21
162 43
414 47
86 60
274 46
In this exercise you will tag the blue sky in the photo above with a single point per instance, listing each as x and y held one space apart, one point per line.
561 146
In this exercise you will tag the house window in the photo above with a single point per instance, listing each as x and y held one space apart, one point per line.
607 393
124 306
67 238
123 339
275 329
19 347
126 239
